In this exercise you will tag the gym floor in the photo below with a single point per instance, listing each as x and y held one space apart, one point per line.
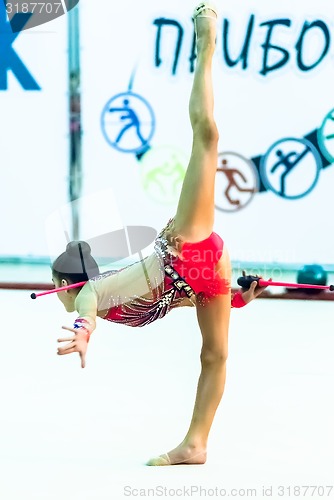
68 433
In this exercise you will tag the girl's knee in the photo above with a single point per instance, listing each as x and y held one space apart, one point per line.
213 356
206 131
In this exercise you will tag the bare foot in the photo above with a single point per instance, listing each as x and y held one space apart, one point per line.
181 455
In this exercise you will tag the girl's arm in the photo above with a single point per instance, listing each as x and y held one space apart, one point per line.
241 299
84 325
86 305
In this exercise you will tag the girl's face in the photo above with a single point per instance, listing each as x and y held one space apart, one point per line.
66 297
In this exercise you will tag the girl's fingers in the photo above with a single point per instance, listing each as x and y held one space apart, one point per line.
69 329
66 340
67 348
61 352
83 360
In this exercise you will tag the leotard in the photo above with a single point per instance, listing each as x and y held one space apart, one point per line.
140 293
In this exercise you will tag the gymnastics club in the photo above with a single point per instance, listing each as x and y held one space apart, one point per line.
61 289
245 282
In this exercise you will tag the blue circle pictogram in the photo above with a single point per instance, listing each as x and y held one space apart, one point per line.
326 137
128 122
291 168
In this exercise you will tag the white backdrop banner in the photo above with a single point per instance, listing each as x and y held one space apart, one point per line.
274 100
34 132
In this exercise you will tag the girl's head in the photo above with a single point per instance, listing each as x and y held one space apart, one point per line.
72 266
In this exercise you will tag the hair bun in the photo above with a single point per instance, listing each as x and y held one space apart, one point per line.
73 248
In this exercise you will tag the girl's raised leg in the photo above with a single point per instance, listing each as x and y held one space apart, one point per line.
195 212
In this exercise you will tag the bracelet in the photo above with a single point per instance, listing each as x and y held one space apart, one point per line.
238 300
80 323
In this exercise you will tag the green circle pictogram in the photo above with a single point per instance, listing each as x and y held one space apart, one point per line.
162 172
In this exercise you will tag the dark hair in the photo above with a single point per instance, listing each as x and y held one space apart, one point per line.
76 263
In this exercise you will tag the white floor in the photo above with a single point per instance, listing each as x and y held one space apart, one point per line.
68 433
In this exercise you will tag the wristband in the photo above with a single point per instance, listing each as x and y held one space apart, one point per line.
238 300
83 323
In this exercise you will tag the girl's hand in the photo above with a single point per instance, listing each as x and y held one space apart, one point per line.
254 290
78 343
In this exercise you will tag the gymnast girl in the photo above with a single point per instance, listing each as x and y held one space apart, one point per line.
190 266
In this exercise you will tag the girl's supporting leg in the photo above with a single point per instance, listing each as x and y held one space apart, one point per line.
213 318
195 212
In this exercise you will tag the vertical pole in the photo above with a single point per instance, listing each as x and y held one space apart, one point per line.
75 163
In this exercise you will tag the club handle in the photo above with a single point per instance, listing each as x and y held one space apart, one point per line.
61 289
246 281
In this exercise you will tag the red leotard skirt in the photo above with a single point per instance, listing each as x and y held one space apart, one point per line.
197 265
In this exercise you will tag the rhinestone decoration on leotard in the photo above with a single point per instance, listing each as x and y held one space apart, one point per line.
141 311
167 292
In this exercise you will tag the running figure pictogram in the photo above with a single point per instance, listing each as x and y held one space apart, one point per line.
233 182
